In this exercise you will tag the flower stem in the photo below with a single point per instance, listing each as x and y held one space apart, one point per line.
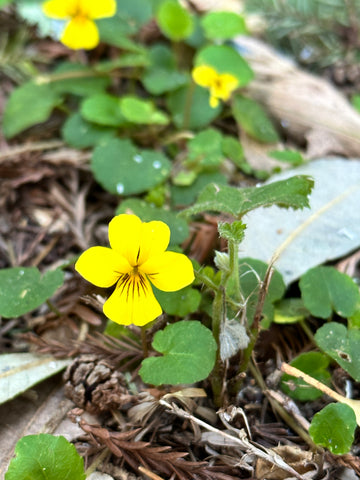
188 105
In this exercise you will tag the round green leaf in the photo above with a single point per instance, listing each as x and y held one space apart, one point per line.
205 149
180 303
23 289
162 75
178 226
341 345
314 364
186 195
325 289
333 428
103 109
136 110
225 60
189 352
120 168
290 310
79 133
223 25
200 115
29 105
45 457
174 20
253 119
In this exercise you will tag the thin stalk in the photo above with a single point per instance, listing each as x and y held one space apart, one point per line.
98 460
188 105
53 308
144 342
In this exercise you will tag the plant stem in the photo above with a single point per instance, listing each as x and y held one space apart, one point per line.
188 105
106 452
53 308
144 342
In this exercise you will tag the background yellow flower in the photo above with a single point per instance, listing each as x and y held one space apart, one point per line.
221 85
81 30
136 259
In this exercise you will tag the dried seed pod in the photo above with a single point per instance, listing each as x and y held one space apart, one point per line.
94 385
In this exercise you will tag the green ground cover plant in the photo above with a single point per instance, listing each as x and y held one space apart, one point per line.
159 117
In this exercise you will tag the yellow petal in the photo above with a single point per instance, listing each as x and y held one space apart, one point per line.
133 301
225 85
137 241
204 75
98 8
214 101
60 8
101 266
169 272
80 32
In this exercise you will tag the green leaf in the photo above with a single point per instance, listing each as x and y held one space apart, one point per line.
290 193
186 195
23 289
233 150
252 118
88 84
136 12
325 289
234 231
123 169
223 25
180 303
290 310
225 60
341 345
21 371
29 105
136 110
189 351
79 133
103 109
333 428
252 272
289 156
200 112
178 226
139 58
45 457
204 150
162 75
174 21
314 364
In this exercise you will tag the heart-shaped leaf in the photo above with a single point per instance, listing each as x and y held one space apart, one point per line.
333 428
23 289
174 20
120 168
79 133
325 289
223 25
189 351
181 303
342 345
103 109
44 456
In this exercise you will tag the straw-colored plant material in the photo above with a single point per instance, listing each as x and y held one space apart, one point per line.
307 107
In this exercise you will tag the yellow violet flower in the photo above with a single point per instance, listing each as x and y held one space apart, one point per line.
137 257
221 85
81 30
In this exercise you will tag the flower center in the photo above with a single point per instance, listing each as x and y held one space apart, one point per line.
133 284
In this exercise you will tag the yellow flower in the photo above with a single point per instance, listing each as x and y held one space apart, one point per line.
221 85
81 30
137 257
